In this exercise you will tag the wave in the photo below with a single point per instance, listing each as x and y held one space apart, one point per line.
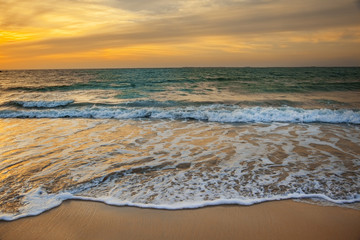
211 113
39 201
41 104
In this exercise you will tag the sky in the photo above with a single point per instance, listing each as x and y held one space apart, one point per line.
42 34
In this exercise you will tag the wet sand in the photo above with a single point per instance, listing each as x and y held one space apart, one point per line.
271 220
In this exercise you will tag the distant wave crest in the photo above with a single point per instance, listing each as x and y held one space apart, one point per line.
42 104
211 113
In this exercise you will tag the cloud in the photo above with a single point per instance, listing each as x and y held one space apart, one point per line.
182 29
21 13
83 26
157 6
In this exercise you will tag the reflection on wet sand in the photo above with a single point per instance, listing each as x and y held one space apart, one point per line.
165 162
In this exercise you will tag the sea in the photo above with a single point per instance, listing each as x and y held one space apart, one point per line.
175 138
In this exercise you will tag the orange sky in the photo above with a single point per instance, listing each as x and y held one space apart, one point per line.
164 33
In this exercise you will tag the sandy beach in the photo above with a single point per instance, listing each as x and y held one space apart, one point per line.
270 220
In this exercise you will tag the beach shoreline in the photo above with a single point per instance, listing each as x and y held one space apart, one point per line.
285 219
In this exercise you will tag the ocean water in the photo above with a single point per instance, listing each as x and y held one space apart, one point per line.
178 138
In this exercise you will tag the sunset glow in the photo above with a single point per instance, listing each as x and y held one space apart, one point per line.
159 33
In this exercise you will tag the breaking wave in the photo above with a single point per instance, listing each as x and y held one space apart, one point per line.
211 113
41 104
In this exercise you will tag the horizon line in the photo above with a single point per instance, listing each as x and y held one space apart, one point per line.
113 68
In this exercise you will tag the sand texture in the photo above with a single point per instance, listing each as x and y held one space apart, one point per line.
271 220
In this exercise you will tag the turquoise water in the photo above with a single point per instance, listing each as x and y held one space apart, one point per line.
195 93
145 81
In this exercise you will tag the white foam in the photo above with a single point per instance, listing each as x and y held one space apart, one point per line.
38 202
43 104
229 114
136 163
